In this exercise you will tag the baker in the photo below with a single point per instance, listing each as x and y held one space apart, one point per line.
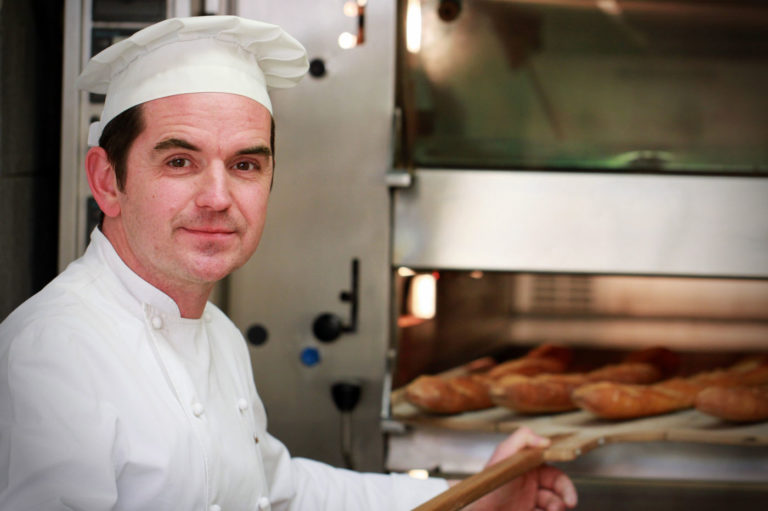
121 386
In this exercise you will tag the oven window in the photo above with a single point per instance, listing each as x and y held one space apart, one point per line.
460 316
606 85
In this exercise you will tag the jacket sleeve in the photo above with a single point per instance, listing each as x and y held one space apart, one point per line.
298 484
56 440
337 488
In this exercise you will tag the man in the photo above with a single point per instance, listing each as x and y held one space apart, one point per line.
121 387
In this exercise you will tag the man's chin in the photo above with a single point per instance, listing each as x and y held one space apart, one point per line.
211 271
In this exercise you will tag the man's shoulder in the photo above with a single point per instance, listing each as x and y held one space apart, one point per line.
73 301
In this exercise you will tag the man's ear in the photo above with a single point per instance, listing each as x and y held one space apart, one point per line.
102 180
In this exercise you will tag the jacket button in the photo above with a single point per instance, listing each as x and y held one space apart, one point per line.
197 409
157 322
263 503
242 404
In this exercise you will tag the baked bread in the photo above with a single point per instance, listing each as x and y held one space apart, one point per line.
664 359
736 403
549 393
547 358
610 400
450 394
546 393
627 401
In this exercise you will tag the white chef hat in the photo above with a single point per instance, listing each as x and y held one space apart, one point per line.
199 54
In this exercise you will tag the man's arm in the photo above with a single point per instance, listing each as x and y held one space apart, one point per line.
55 441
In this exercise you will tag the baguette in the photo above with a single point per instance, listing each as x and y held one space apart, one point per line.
665 360
448 395
737 403
610 400
549 393
545 393
547 358
470 392
527 366
629 401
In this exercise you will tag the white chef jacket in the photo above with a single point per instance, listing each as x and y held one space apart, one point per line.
109 399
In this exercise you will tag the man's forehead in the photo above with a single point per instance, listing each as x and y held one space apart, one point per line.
177 102
196 119
207 110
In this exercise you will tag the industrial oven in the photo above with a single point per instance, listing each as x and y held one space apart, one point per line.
589 174
457 179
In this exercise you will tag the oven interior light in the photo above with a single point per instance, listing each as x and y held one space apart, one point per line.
347 40
423 296
404 271
418 473
610 7
413 26
476 274
350 9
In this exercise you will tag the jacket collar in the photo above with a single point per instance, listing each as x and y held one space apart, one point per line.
139 288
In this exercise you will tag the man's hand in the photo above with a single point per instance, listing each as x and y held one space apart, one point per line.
544 488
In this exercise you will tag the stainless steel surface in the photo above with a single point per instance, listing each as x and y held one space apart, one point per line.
330 204
466 452
592 223
71 144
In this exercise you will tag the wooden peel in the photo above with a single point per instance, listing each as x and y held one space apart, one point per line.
574 434
474 487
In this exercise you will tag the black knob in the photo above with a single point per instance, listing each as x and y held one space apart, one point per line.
257 335
317 68
345 395
327 327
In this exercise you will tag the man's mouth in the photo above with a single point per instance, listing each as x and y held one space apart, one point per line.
209 231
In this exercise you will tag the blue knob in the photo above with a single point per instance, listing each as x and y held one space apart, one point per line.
310 356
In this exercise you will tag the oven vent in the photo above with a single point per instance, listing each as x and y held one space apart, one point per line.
559 294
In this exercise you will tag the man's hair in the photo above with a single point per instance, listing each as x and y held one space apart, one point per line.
117 139
120 132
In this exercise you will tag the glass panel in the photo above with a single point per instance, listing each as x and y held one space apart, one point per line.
611 85
502 314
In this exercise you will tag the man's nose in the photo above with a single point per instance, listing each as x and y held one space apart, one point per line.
214 192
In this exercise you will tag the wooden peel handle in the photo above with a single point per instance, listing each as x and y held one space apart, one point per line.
474 487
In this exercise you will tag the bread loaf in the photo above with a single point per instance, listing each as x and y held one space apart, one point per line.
547 358
527 366
552 392
664 359
737 403
448 395
469 392
545 393
625 401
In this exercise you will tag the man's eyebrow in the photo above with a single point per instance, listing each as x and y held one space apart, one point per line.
172 143
257 149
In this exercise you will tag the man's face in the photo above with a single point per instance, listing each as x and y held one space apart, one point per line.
196 190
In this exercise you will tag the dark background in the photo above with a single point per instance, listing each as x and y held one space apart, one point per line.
30 125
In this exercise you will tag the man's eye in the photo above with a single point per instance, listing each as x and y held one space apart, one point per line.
245 165
179 162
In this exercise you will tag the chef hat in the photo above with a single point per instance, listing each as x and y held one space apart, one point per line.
199 54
